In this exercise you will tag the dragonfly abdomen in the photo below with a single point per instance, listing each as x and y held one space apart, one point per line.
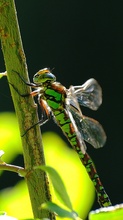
65 124
63 121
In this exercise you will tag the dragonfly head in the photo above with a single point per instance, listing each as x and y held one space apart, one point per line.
44 76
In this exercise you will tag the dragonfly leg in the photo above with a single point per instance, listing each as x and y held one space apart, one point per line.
46 115
28 84
34 93
46 112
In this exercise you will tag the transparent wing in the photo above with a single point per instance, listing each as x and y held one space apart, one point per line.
89 94
73 120
90 130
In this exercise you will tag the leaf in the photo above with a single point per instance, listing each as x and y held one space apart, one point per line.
106 213
58 185
3 216
58 210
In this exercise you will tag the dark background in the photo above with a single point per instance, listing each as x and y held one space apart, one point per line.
81 39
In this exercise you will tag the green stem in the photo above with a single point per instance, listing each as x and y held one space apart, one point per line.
13 168
25 108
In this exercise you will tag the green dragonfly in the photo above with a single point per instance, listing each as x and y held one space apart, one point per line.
62 105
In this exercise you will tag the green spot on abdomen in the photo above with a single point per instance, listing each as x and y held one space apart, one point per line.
54 94
61 118
53 104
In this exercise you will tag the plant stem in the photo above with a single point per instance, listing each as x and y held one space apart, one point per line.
13 168
25 108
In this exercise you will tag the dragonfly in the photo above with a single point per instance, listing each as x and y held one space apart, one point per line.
63 105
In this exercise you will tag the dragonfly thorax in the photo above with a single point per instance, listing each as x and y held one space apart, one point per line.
44 76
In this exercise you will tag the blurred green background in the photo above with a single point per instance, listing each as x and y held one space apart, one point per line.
14 198
81 39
